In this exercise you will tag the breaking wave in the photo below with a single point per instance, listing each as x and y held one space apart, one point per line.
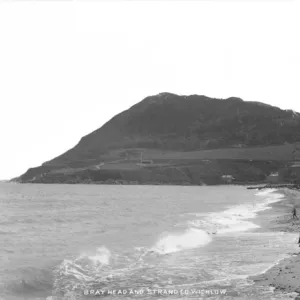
174 242
101 256
103 268
236 218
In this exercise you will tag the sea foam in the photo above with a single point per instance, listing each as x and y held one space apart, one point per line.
188 239
234 219
237 218
102 256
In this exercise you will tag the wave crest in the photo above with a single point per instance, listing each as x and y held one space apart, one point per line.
189 239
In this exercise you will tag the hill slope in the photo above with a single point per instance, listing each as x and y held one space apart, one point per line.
166 124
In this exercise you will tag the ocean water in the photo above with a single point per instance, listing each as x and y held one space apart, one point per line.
61 242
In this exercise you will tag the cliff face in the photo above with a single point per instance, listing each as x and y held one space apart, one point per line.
166 123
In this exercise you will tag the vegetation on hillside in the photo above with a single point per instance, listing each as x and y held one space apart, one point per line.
181 126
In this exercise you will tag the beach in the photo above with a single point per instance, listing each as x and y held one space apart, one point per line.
63 240
285 275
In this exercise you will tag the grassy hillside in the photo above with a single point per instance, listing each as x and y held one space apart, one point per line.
177 130
207 172
171 167
188 123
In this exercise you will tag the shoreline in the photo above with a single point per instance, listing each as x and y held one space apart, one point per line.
284 275
248 185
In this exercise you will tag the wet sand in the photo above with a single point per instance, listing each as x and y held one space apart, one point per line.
285 275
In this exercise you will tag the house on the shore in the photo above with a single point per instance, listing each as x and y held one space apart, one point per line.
295 172
227 178
273 178
290 173
295 164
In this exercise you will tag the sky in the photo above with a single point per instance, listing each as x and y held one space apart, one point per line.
67 67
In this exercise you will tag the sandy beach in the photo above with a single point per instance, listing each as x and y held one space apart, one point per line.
285 275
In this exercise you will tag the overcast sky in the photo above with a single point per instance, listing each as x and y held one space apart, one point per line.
68 67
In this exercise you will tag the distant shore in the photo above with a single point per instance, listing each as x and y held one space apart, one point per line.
285 275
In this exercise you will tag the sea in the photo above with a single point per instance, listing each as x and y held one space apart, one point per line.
60 242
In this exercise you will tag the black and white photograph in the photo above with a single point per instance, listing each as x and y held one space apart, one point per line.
149 149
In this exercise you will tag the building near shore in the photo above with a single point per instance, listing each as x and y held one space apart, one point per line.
295 165
143 163
295 172
274 178
290 173
227 178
